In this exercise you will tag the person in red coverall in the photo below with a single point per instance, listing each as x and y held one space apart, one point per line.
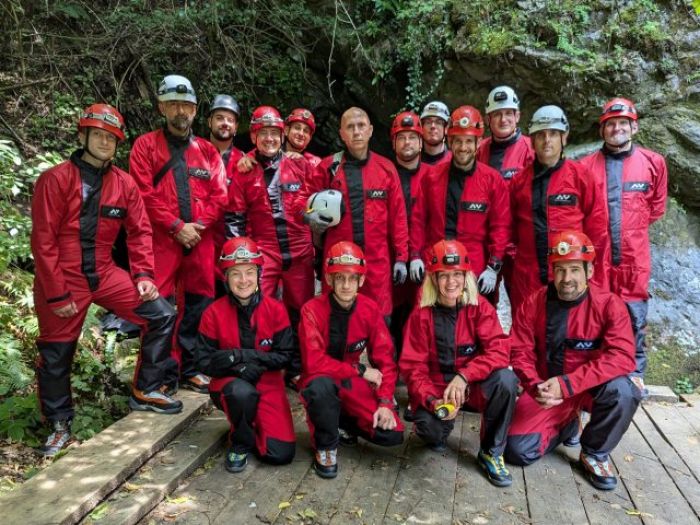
434 119
572 348
78 208
552 194
376 213
267 204
455 352
632 183
299 128
182 182
464 200
224 114
506 150
336 389
244 342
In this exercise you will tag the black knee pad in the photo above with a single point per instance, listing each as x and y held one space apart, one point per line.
320 388
240 392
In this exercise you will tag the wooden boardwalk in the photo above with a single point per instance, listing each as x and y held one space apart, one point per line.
658 462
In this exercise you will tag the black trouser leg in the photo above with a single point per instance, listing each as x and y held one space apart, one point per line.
323 409
398 320
187 334
500 390
638 315
241 405
431 429
614 405
155 344
53 376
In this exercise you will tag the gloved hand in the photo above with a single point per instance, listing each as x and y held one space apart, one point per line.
487 280
249 372
400 272
317 222
417 270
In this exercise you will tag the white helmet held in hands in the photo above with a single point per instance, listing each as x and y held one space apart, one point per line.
328 204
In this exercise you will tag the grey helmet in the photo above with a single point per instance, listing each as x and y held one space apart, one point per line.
176 87
225 102
549 117
436 109
502 97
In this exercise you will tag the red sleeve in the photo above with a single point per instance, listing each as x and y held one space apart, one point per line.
495 345
660 183
413 363
616 354
314 359
417 229
398 224
381 356
218 194
139 235
48 207
524 343
499 218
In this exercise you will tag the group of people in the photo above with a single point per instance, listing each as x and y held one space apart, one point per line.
412 254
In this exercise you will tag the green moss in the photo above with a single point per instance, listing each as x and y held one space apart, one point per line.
670 362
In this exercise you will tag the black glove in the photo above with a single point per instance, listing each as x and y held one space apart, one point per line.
250 372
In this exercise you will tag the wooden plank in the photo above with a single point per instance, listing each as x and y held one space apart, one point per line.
652 491
425 485
674 465
161 474
660 394
679 432
70 488
552 493
476 500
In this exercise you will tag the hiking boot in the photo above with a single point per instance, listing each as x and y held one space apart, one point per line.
170 390
598 473
326 463
156 401
59 439
235 462
197 383
346 438
495 469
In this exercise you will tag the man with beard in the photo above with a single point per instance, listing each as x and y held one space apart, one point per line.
183 184
632 183
434 120
464 200
299 128
375 217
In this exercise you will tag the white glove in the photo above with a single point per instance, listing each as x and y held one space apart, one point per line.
400 272
417 270
316 222
487 280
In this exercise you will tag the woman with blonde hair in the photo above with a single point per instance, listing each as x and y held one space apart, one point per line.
456 355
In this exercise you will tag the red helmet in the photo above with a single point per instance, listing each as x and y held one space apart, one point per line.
265 117
345 256
239 250
570 245
105 117
618 107
302 115
448 255
406 121
466 120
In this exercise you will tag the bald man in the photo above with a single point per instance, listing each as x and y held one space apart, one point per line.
375 213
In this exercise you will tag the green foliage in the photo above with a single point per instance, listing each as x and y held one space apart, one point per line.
673 361
19 419
683 386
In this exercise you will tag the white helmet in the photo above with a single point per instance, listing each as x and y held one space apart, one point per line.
549 117
436 109
328 204
502 97
176 87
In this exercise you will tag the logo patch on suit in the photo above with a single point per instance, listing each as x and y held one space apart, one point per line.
636 186
291 186
468 349
583 344
563 199
199 173
113 212
509 173
479 207
358 346
266 342
376 194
